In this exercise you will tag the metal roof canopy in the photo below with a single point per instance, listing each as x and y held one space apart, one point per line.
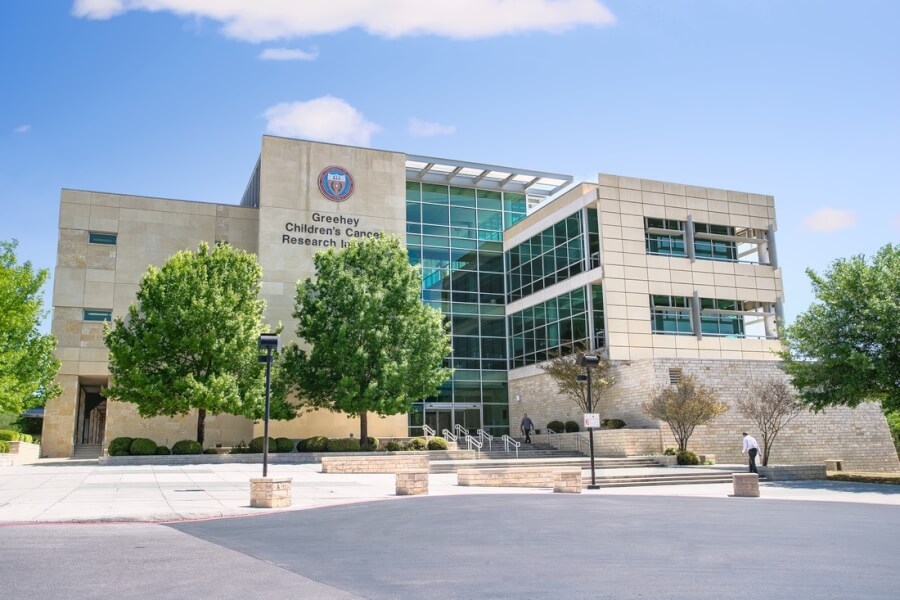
444 171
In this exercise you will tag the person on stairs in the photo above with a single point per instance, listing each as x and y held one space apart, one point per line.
526 426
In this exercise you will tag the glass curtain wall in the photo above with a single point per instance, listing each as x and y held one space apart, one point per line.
553 255
456 235
553 328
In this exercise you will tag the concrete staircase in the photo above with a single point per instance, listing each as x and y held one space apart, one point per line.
87 451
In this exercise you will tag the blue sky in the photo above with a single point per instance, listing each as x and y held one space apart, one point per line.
796 99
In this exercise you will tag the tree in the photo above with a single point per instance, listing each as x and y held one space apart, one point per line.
684 407
564 372
770 404
373 346
27 365
846 348
190 340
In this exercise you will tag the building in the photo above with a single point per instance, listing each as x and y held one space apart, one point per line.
667 279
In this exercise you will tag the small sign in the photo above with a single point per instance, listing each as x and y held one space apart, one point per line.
591 420
336 183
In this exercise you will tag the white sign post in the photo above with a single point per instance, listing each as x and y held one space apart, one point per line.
592 420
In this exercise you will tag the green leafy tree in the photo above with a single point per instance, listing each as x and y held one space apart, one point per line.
190 340
564 372
846 348
371 345
683 407
27 364
770 404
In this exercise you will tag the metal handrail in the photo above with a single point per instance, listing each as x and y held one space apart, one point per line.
550 433
508 440
472 441
460 431
448 436
429 432
484 435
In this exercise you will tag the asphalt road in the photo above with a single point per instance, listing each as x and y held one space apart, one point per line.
491 546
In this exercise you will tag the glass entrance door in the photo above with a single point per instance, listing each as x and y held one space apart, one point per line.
439 420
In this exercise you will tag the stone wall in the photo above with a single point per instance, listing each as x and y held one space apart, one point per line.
542 477
373 464
858 436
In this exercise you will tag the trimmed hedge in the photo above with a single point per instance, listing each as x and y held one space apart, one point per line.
210 451
374 443
572 427
142 447
256 445
186 447
283 444
343 445
120 445
4 446
163 451
8 435
318 443
612 424
686 457
417 444
556 426
394 446
437 443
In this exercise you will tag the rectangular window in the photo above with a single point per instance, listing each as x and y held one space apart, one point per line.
665 237
713 322
96 315
712 249
108 239
670 315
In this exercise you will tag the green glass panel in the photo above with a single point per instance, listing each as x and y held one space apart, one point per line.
490 220
436 194
464 259
490 200
462 197
413 191
465 218
435 215
515 203
431 240
413 240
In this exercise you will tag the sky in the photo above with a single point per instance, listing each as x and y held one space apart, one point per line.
798 99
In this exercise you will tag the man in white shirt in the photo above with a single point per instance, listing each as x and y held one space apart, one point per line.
751 448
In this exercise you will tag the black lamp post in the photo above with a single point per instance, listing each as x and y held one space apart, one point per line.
268 342
589 362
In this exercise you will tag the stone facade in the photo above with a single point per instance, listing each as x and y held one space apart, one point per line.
541 477
270 492
745 484
373 464
411 482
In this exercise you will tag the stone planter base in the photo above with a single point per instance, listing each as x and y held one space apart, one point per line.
412 482
270 492
567 482
745 484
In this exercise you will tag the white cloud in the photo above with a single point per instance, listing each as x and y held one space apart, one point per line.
829 219
262 20
22 129
420 128
288 54
325 119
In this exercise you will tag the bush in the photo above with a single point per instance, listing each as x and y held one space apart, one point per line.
556 426
572 427
417 444
163 451
686 457
612 424
210 451
317 443
373 444
343 445
437 443
394 446
142 447
239 448
8 435
120 444
187 447
256 445
4 446
25 437
670 451
283 444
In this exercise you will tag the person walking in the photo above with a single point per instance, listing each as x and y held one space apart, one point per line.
526 426
752 449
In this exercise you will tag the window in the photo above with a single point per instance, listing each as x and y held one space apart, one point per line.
665 237
714 249
108 239
90 314
554 255
670 315
721 324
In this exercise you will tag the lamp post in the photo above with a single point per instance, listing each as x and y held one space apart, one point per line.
589 361
268 342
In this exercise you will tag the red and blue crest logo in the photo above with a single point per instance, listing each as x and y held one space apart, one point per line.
335 183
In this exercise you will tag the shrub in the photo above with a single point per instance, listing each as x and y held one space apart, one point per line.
317 443
343 445
394 446
417 444
612 424
120 444
163 451
239 448
256 445
556 426
437 443
25 437
8 435
4 446
142 447
686 457
187 447
373 444
670 451
284 444
572 427
210 451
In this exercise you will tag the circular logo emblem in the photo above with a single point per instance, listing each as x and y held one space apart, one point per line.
336 183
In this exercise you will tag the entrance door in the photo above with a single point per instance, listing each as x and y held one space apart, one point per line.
91 417
439 420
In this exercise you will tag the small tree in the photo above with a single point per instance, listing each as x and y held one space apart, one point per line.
190 340
564 372
374 346
770 404
684 407
27 364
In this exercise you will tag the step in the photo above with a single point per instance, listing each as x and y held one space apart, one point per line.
512 463
659 479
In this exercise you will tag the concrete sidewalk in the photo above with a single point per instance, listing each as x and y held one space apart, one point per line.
73 491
